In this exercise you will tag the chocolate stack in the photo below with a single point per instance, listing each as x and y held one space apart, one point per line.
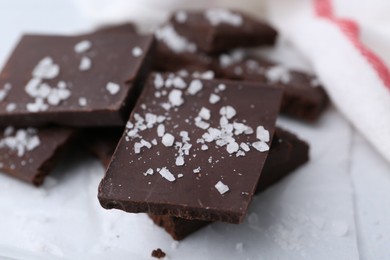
184 121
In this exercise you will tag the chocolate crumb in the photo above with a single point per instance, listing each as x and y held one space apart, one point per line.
158 253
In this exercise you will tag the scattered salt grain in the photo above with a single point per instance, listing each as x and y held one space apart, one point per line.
179 161
158 81
82 46
278 74
168 140
260 146
149 172
160 130
262 134
137 51
175 97
227 111
112 88
46 69
214 98
82 101
165 173
10 107
204 113
195 86
222 188
85 64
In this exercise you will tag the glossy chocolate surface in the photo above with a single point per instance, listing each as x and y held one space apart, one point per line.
85 80
189 190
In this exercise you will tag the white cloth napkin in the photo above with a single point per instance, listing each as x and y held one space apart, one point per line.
349 47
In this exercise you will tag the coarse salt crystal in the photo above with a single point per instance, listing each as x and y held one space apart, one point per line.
46 69
175 97
82 101
168 140
82 46
160 130
245 147
232 147
137 51
201 124
204 147
10 107
227 111
260 146
262 134
179 161
214 98
195 86
221 187
112 88
180 175
240 153
149 172
178 82
165 173
146 144
278 74
85 64
137 147
196 170
221 87
204 113
158 81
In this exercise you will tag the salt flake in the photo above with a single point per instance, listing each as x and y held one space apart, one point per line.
221 187
165 173
112 88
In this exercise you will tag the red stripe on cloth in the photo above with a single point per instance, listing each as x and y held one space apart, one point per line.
351 29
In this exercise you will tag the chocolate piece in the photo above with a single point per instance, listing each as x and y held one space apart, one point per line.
158 253
218 30
304 98
30 154
86 80
181 154
174 52
125 27
277 166
102 142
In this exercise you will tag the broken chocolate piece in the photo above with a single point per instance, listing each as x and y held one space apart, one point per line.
304 97
218 30
287 154
86 80
158 253
126 28
193 149
102 142
30 154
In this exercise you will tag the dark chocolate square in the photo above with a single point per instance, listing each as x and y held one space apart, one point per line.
29 154
85 80
216 30
222 161
304 97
